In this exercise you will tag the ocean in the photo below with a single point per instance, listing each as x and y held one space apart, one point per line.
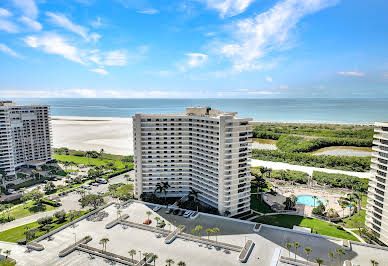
317 110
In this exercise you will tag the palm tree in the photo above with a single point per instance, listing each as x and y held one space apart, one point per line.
89 154
199 229
314 198
193 231
169 262
162 187
154 257
119 213
193 194
181 263
216 230
308 251
7 253
132 253
331 256
209 231
169 226
145 254
374 262
103 242
296 245
288 246
340 252
148 214
319 261
3 174
157 219
269 171
101 154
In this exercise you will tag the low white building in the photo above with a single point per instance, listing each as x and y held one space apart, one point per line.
377 208
25 136
202 149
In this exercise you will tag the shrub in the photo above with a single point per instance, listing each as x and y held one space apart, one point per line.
22 241
341 181
45 220
50 202
79 153
60 215
347 163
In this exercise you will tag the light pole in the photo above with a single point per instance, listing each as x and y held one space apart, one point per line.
75 238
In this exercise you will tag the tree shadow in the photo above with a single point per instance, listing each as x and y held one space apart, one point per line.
37 208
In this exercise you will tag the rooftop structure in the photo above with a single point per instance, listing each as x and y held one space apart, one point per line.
25 136
203 149
377 208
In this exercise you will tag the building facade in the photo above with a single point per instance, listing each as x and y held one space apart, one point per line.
203 149
377 208
25 136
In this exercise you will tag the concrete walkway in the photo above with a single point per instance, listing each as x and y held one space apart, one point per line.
26 220
306 169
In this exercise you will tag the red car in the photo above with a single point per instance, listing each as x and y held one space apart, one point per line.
147 222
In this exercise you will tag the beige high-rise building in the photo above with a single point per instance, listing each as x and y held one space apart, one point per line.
25 136
202 149
377 208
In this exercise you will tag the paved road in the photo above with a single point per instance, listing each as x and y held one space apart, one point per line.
69 202
307 169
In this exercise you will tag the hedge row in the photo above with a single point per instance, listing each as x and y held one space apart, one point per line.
347 163
289 143
50 202
341 181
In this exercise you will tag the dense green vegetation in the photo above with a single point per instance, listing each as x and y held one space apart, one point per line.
86 161
94 154
286 175
28 209
275 130
289 143
348 163
36 230
317 226
341 181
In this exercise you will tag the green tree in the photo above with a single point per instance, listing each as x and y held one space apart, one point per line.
34 195
181 263
216 231
208 232
308 251
73 214
169 262
60 215
162 188
288 247
89 154
331 257
3 174
296 245
45 220
132 253
319 261
154 258
340 253
198 228
7 253
104 241
148 214
193 195
92 200
125 192
374 262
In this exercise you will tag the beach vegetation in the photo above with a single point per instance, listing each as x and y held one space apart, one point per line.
341 181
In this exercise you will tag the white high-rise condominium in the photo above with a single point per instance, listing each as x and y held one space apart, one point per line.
25 136
377 208
203 149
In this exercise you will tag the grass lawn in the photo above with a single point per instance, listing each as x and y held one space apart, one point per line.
28 209
258 205
317 226
84 160
352 222
17 233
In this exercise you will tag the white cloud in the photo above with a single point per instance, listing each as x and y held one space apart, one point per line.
5 13
28 7
62 21
149 11
52 43
115 58
85 93
269 79
228 8
100 71
32 24
196 59
8 26
97 23
353 74
5 49
256 37
385 75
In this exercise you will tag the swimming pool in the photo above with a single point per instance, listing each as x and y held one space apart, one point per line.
309 201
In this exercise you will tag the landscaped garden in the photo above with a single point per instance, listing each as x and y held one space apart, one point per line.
27 209
316 226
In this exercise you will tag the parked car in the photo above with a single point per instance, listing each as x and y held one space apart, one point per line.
181 212
193 214
102 181
156 209
187 214
11 191
175 212
147 222
168 211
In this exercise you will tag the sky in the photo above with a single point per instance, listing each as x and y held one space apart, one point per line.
193 48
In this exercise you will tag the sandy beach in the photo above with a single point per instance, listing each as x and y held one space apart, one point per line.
114 135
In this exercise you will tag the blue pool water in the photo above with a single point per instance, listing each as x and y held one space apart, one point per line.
309 201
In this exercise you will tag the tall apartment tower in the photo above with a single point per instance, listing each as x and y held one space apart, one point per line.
203 149
25 136
377 208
